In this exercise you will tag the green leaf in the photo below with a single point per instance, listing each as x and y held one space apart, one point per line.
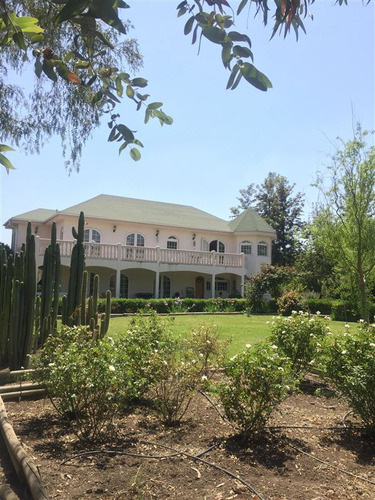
37 38
119 87
105 11
19 39
48 70
97 97
226 53
139 82
125 132
135 154
130 91
240 51
112 136
71 9
182 11
7 164
122 147
155 105
38 68
233 74
215 35
255 77
104 39
4 147
189 25
241 6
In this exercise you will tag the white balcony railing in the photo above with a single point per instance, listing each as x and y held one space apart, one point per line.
146 254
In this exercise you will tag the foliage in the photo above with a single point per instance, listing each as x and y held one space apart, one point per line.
346 220
350 364
206 348
17 304
289 302
81 61
141 351
271 279
165 306
80 378
274 201
299 338
256 381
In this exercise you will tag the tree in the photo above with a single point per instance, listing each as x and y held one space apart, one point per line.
347 220
79 46
273 200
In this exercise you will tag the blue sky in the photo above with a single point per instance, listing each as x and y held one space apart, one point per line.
221 140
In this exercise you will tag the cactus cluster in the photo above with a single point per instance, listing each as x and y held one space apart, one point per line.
77 308
17 304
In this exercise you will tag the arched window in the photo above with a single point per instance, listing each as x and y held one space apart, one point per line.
135 240
246 247
262 249
91 236
124 286
218 246
172 243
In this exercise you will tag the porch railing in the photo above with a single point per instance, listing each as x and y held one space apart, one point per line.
147 254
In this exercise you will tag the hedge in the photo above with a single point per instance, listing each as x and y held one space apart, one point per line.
167 305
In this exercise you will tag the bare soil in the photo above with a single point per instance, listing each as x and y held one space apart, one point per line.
306 454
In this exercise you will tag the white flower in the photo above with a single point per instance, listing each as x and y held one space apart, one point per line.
372 344
248 346
112 368
318 313
346 325
165 362
343 352
274 346
204 377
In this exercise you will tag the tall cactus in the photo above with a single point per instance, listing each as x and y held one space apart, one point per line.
77 267
50 287
76 310
17 304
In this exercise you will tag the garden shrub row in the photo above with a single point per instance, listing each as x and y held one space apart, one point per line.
168 305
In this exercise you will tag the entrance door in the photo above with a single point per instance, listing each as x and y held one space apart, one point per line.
199 287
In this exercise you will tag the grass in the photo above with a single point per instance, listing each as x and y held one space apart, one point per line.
241 328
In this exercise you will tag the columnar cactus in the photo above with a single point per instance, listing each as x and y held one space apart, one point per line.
17 304
50 287
77 267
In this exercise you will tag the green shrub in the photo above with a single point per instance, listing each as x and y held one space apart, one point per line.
289 302
79 375
299 338
350 364
323 306
140 351
256 381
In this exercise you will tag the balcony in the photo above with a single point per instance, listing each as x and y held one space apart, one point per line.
103 251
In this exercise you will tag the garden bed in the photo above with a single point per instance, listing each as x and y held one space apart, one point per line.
307 455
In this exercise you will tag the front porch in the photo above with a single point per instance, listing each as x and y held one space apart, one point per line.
134 271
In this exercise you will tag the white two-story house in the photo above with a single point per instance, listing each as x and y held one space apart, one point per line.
150 249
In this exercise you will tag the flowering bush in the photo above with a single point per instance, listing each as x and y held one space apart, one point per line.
350 364
290 301
79 375
299 338
256 381
140 351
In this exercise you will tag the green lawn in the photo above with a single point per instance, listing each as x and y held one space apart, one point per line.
243 329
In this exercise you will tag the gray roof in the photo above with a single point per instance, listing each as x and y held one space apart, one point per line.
37 215
249 221
121 209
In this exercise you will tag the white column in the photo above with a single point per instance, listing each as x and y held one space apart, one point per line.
118 271
157 279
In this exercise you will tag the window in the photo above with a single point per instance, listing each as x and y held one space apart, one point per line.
218 246
172 243
165 285
246 247
124 286
205 246
221 285
262 249
91 236
135 240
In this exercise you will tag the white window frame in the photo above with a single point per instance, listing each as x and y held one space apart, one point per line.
262 250
172 243
246 244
